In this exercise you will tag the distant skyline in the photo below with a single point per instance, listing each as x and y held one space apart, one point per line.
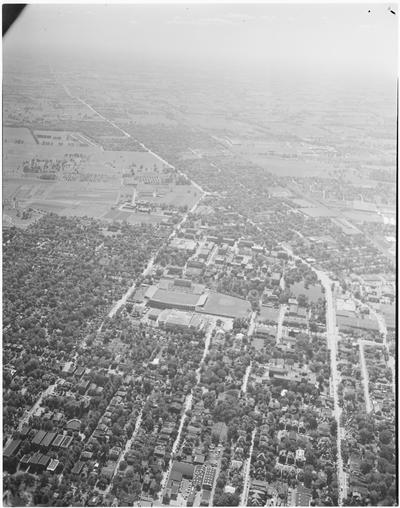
339 39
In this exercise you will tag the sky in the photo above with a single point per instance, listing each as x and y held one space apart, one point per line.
337 38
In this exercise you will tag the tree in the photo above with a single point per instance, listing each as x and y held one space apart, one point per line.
365 436
386 452
227 499
308 470
385 466
149 423
365 467
302 300
385 437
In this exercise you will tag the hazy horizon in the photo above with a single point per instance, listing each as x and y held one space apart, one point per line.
345 41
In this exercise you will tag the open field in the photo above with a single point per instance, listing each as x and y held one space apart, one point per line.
224 305
312 292
269 314
24 188
133 217
18 136
303 203
359 216
290 167
67 198
176 195
74 148
319 211
62 138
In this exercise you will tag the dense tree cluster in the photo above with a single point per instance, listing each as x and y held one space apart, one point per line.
59 277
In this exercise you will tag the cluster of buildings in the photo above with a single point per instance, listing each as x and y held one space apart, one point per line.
187 479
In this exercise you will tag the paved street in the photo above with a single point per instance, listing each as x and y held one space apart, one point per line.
332 339
126 449
246 476
246 378
188 406
25 419
383 331
364 374
281 318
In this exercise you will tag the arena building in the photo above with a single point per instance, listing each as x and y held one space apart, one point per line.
177 294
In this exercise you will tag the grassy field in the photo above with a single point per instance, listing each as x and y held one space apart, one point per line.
68 198
303 203
290 167
269 314
319 211
62 144
224 305
312 293
177 195
12 135
133 217
88 198
93 198
359 216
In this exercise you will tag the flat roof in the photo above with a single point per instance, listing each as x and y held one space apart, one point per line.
183 243
77 467
175 317
175 476
303 496
184 468
53 464
39 436
35 458
58 440
46 441
66 442
44 460
11 448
